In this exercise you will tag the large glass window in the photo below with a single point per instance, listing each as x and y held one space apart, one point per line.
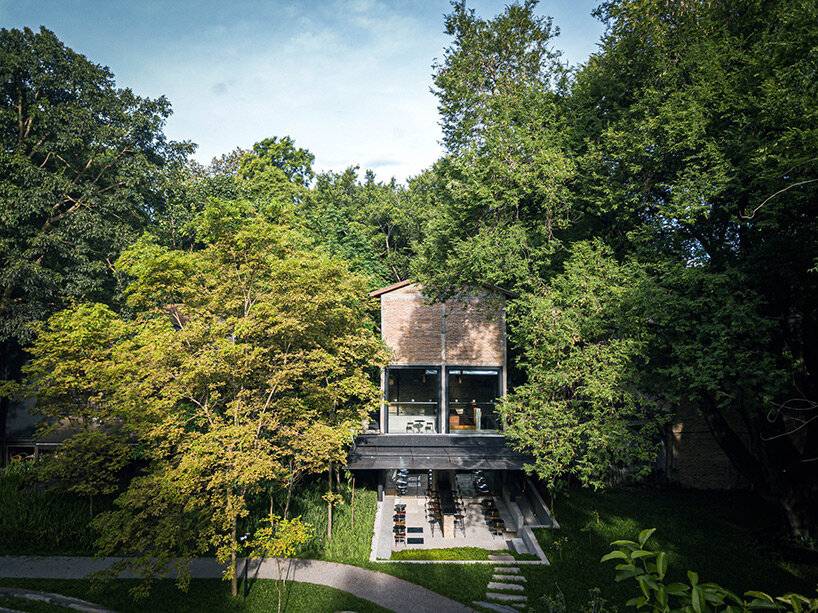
413 395
472 397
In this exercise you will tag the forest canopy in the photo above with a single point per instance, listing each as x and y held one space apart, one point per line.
654 207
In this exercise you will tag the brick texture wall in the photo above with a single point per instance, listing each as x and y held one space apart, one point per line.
413 329
695 458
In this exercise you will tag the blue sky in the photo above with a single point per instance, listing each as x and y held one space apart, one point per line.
347 79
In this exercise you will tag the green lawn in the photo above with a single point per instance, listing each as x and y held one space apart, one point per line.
717 534
202 595
457 553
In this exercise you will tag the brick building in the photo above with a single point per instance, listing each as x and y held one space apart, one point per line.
447 370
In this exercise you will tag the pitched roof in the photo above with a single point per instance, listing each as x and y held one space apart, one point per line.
390 288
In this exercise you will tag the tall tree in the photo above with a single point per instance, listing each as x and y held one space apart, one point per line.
501 190
241 355
375 226
79 162
277 173
687 144
696 140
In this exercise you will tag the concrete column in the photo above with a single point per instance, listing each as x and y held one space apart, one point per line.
444 422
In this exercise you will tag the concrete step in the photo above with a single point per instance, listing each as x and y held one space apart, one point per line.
521 607
519 545
491 606
507 569
501 558
505 597
508 577
493 585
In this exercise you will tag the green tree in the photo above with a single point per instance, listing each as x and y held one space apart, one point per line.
582 410
238 353
375 226
277 173
80 159
500 192
80 179
280 540
695 137
687 145
67 383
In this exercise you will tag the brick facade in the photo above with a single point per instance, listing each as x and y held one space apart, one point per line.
473 333
694 457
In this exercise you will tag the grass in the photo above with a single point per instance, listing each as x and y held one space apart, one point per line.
452 553
348 545
461 582
713 533
719 535
36 521
202 595
457 553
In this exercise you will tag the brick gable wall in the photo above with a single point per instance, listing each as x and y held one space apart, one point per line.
414 329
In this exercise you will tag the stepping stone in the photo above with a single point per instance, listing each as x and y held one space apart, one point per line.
505 597
507 569
505 586
501 558
500 608
508 577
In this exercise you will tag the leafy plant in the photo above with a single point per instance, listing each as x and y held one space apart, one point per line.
280 540
649 569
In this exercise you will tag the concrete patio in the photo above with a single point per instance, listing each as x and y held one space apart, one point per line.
473 533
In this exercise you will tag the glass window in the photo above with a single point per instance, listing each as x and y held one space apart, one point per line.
472 397
413 396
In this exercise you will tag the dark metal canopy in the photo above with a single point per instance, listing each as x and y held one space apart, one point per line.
439 452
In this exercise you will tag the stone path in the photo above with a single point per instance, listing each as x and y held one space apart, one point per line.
382 589
506 589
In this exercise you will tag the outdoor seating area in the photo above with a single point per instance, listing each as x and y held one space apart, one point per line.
427 514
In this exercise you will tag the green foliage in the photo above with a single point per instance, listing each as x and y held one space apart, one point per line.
686 144
493 71
80 164
38 518
277 174
648 569
733 526
247 363
376 227
581 412
500 193
65 384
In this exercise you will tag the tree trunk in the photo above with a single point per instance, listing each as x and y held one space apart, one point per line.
797 513
289 492
279 582
234 581
772 468
329 505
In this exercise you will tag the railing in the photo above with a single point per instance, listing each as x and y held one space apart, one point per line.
413 417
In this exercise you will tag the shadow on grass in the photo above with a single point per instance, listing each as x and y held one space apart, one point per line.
211 595
716 534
